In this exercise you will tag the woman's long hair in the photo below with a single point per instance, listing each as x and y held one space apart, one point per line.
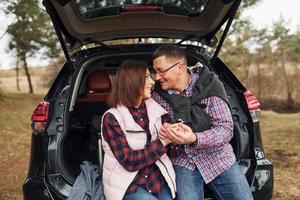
129 83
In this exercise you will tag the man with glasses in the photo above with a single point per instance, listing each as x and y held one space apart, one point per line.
201 130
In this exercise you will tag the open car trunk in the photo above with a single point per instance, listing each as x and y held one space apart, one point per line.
85 113
78 23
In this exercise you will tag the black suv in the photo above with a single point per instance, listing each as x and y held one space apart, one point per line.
66 123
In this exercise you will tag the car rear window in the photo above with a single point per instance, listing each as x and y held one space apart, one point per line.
98 8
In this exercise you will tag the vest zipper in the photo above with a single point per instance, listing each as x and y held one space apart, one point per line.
168 175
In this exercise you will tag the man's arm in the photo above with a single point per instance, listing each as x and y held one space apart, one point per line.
221 125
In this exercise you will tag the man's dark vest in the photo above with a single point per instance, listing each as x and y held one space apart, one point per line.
190 109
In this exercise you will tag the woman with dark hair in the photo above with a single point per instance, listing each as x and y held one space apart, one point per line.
135 162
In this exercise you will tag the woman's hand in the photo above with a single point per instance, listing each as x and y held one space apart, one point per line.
181 134
166 133
163 134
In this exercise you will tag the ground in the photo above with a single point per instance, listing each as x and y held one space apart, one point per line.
281 142
15 135
280 134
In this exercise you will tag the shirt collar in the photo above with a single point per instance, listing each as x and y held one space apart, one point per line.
189 87
142 107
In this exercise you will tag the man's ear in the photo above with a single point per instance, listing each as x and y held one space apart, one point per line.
182 67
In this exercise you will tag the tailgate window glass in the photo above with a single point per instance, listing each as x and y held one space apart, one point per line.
98 8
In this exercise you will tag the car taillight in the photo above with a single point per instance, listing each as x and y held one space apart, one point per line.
253 105
131 8
39 117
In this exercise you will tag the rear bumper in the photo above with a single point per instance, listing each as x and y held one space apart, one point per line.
36 188
263 182
262 185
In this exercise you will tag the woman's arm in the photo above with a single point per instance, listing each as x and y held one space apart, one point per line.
130 159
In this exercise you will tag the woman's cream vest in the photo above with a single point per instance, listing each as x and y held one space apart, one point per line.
116 179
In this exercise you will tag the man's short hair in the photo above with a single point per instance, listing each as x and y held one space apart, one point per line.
170 51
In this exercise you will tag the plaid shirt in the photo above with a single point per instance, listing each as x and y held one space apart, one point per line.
149 175
212 153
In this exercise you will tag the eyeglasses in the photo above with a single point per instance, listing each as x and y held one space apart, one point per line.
162 73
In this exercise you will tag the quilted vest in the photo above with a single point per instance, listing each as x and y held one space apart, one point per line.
116 179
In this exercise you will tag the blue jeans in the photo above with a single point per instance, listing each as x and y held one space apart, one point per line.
142 194
230 184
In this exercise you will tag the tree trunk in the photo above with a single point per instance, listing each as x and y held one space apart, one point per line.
247 65
27 75
17 75
258 80
289 88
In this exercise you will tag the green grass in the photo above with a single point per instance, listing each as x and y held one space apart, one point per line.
280 134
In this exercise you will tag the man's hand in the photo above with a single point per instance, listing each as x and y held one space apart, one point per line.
181 134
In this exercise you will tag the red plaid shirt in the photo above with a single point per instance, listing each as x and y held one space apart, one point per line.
143 160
